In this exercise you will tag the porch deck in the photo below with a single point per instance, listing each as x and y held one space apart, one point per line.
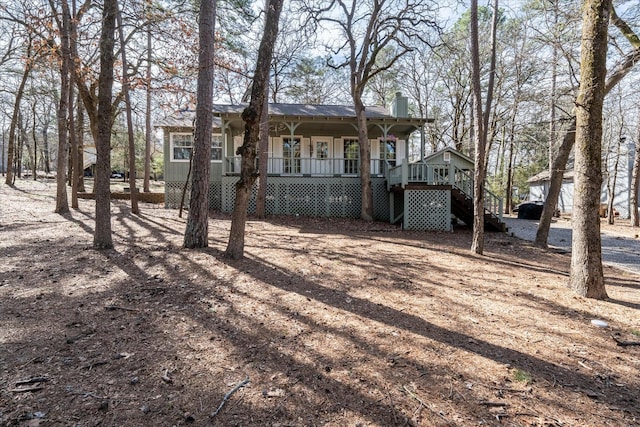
420 175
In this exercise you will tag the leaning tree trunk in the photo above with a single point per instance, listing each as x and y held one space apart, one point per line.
102 238
555 185
197 230
251 116
557 171
586 276
11 147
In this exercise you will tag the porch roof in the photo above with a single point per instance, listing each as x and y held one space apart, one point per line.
319 116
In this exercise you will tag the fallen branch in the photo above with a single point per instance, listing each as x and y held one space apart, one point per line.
81 335
228 395
422 404
33 380
622 343
117 307
26 389
492 404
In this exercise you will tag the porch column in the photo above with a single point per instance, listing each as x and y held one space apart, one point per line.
223 130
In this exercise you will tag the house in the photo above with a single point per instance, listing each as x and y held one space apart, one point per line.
313 164
539 184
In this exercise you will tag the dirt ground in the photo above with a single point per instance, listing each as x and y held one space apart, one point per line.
325 322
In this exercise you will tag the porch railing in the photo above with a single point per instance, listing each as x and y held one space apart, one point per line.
464 182
441 174
309 166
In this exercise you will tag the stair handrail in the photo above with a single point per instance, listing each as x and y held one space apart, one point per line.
464 182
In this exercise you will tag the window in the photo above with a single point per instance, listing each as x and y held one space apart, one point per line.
322 150
351 155
182 147
388 151
216 147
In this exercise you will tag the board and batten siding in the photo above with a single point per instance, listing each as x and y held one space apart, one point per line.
177 171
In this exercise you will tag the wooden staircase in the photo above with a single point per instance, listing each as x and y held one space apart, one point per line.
462 208
459 182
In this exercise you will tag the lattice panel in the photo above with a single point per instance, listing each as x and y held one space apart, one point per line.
315 196
215 195
301 198
228 196
173 194
270 204
427 210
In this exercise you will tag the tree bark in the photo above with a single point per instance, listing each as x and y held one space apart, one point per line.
79 128
560 162
366 207
263 151
11 146
197 230
555 185
586 276
147 119
635 181
477 243
133 192
251 116
102 238
62 202
611 181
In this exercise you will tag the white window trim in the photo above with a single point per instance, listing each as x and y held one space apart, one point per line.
222 139
171 146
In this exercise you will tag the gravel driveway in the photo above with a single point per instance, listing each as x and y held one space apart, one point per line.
618 251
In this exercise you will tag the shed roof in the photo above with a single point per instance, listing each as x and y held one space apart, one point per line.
544 176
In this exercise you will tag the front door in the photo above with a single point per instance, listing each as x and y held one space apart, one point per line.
291 155
351 156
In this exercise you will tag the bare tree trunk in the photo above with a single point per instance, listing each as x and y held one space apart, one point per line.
147 119
366 207
251 116
76 171
11 147
197 230
553 94
635 181
586 276
34 165
79 130
555 185
492 73
102 238
62 202
560 162
133 192
263 150
477 243
611 184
